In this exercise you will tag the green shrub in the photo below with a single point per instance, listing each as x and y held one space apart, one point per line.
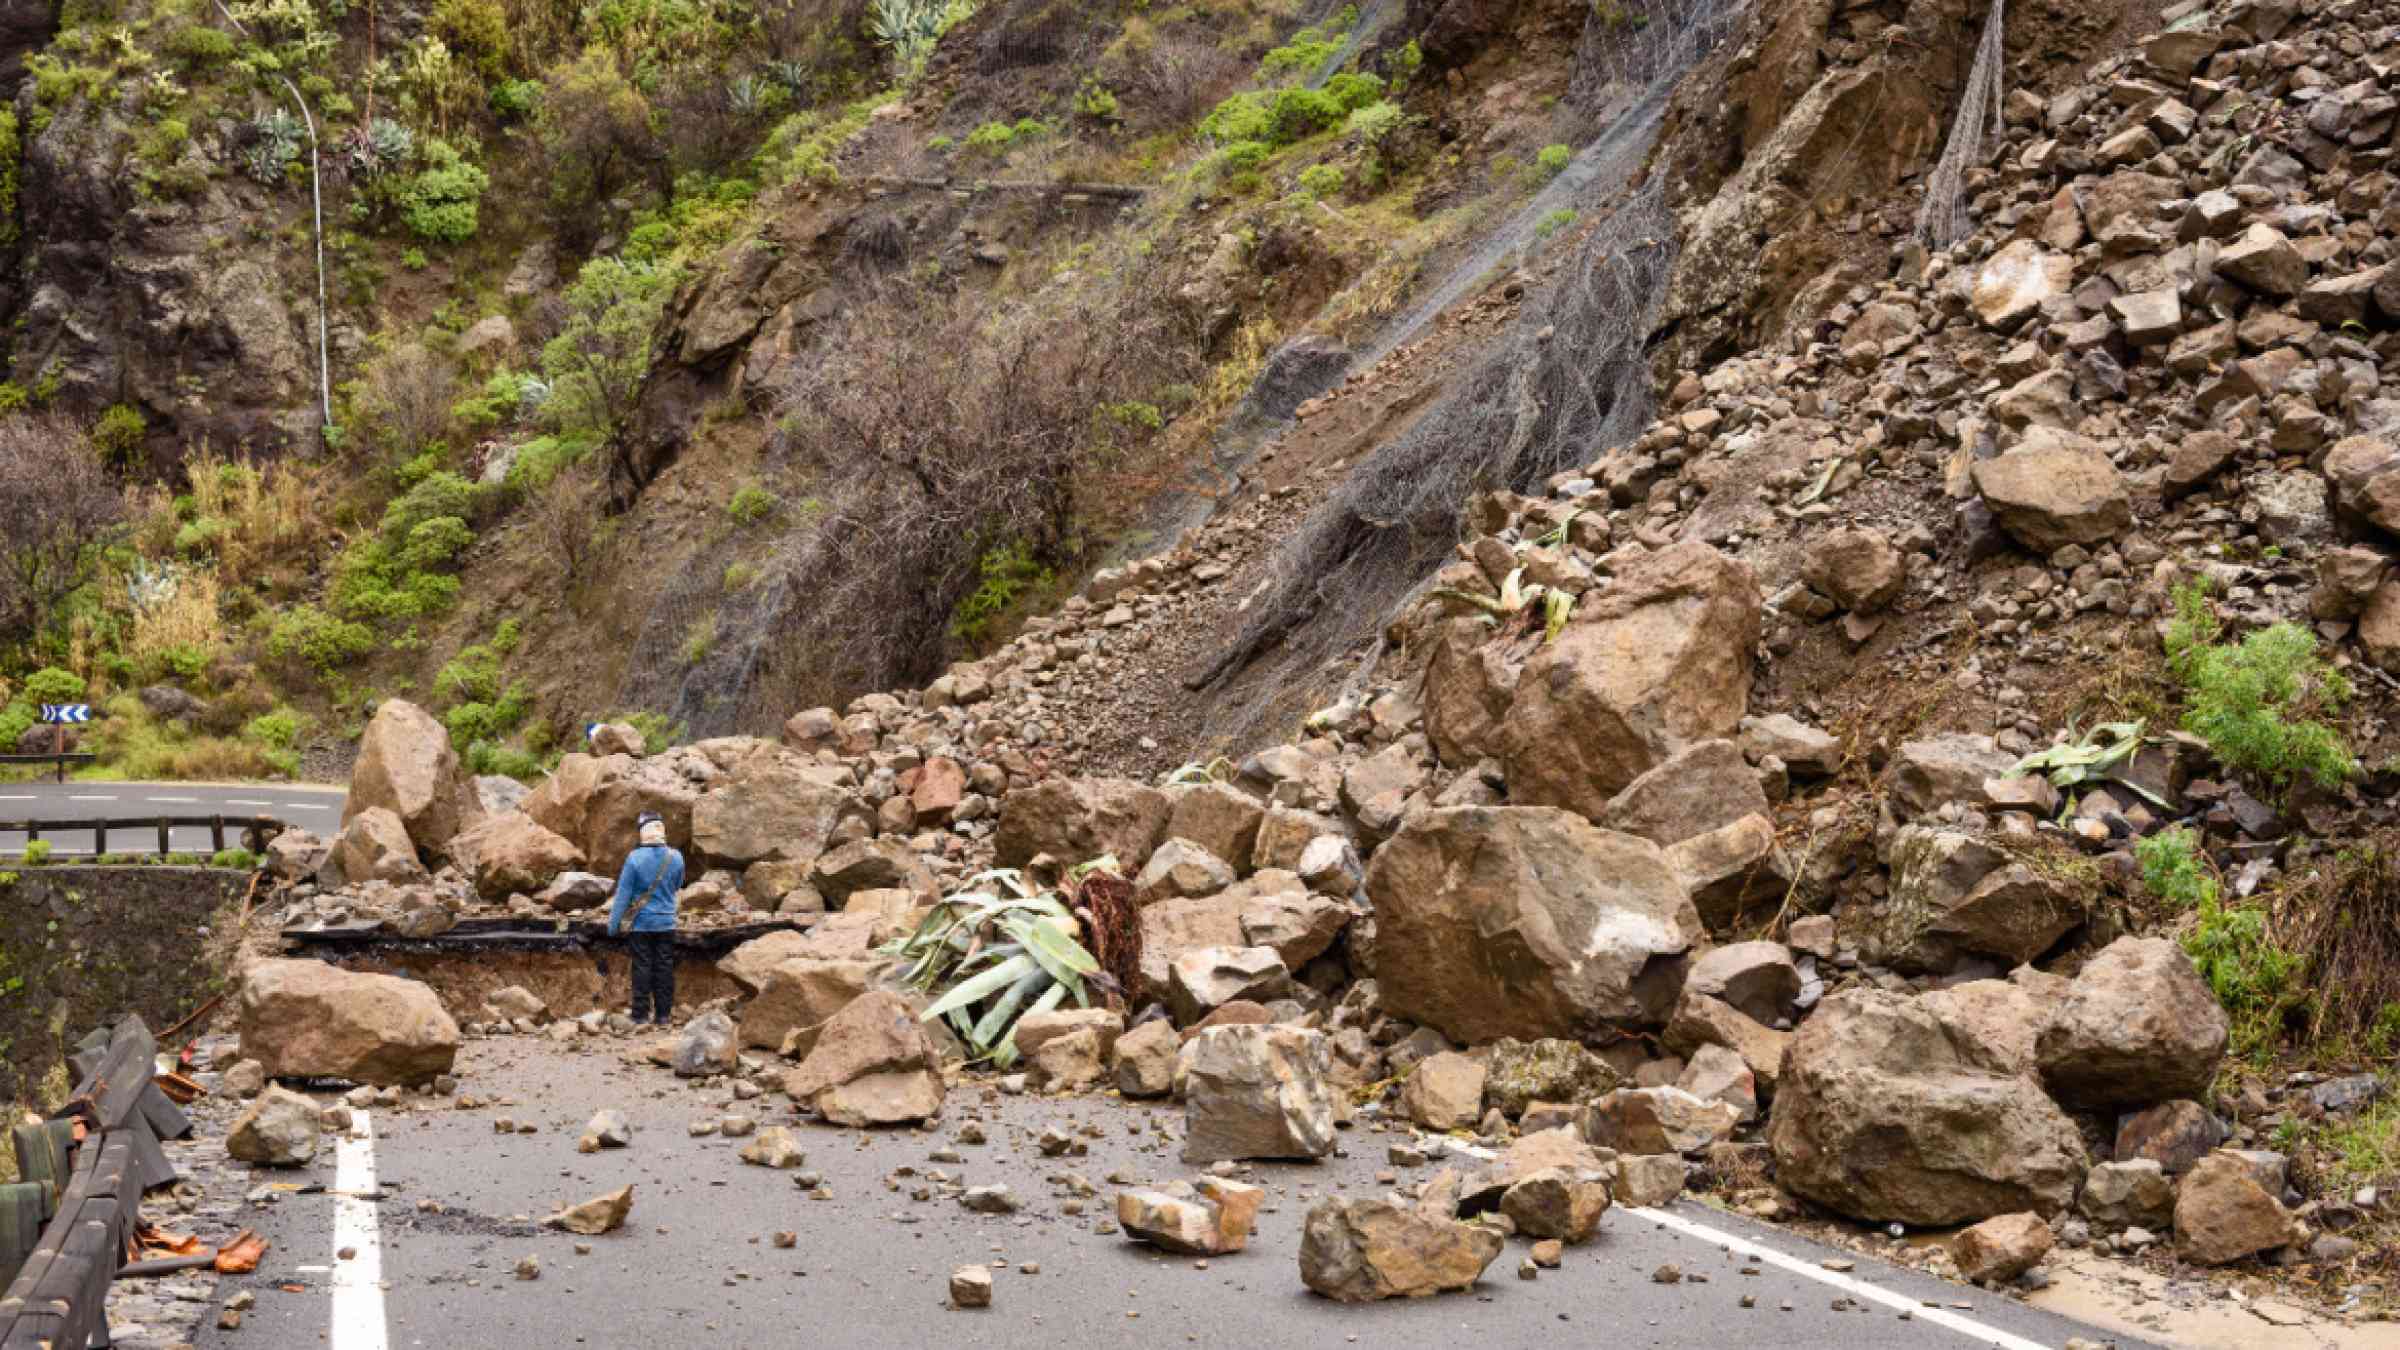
541 460
37 852
321 640
238 859
1095 101
739 575
11 150
2257 703
118 434
997 138
435 543
1555 221
52 684
1321 180
484 757
602 352
278 730
199 48
2250 975
1241 157
1553 160
437 494
516 100
1006 573
414 259
752 504
1372 123
440 202
2174 870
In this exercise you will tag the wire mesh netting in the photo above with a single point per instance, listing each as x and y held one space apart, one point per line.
1569 379
1942 221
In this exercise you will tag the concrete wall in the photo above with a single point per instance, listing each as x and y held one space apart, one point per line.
80 944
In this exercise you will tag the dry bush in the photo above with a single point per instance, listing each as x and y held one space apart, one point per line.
57 508
567 527
270 510
185 617
404 396
2345 921
1173 80
952 432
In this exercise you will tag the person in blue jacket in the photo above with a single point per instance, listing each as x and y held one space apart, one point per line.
645 913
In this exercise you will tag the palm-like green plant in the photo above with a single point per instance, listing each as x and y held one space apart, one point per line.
998 950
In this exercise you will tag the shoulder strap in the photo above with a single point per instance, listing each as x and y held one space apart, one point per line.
650 892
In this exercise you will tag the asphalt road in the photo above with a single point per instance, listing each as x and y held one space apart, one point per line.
311 808
696 1265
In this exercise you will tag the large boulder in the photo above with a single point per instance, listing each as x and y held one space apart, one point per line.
1077 819
769 809
1469 683
750 964
407 767
1526 922
798 995
1658 1120
374 846
872 865
1518 1073
1258 1092
1859 570
1359 1251
596 802
1658 661
2231 1206
1698 789
2015 282
872 1065
2138 1025
2365 473
1219 818
307 1019
1954 892
511 854
2055 489
1887 1112
1171 928
1444 1092
277 1130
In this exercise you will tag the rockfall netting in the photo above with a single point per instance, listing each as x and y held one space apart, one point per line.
1943 221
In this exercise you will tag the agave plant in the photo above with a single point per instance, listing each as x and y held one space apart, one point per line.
996 951
2091 758
377 148
1517 598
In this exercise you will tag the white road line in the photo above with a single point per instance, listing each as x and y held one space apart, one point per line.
26 797
308 806
74 798
170 799
246 801
1810 1270
357 1320
1851 1285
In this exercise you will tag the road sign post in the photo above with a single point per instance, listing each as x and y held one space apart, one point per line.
58 715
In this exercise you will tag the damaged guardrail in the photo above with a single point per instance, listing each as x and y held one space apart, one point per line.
84 1171
256 832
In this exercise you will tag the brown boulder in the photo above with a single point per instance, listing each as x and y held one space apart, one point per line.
1884 1114
1444 1092
871 865
596 803
2000 1249
1258 1092
511 854
872 1065
1469 682
1526 922
307 1019
2053 490
407 767
2225 1210
1220 818
374 846
797 996
1857 569
1078 819
2138 1025
1700 788
2174 1134
1658 661
770 809
2365 473
1359 1251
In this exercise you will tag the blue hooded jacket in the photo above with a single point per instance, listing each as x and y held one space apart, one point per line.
642 871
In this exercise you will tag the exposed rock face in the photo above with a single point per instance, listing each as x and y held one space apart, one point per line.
2231 1207
1258 1092
512 854
769 810
307 1019
2138 1025
406 766
1526 922
872 1065
595 802
1076 819
1359 1251
277 1130
1657 662
1884 1113
2053 490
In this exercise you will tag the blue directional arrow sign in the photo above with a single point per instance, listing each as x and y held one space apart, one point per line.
66 712
590 730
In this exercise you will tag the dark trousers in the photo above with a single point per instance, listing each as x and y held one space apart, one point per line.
653 975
